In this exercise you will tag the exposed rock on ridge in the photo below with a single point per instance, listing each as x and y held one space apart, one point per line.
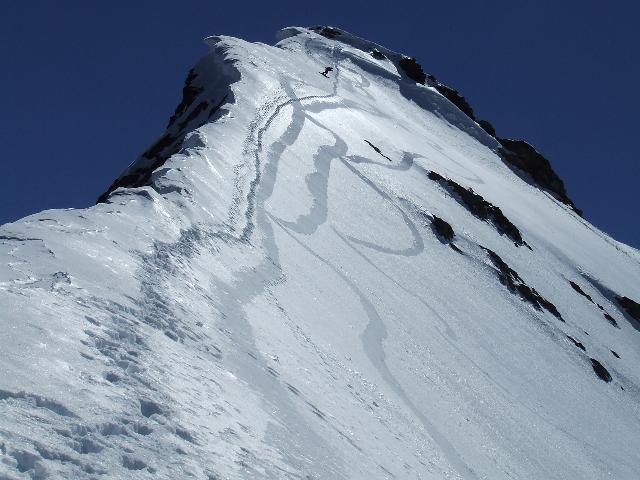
518 154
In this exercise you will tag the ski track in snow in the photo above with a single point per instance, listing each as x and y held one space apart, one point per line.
375 333
245 287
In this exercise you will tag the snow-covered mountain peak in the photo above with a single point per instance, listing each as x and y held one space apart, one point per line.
326 267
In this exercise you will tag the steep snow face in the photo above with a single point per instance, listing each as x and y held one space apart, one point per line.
318 273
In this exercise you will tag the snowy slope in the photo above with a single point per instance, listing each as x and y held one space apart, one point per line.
295 282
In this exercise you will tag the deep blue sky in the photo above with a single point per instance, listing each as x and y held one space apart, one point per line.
86 86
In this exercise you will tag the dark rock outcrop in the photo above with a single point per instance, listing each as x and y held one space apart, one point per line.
480 208
413 69
328 32
601 372
189 94
578 289
577 343
377 54
510 279
442 229
524 159
611 320
487 127
631 307
197 110
159 152
171 142
454 97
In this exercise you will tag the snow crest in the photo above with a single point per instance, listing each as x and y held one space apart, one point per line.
324 269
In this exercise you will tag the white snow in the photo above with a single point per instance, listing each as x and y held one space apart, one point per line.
275 303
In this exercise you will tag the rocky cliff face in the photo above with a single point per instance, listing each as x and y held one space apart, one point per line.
325 268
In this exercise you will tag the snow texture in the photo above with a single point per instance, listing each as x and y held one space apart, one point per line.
279 289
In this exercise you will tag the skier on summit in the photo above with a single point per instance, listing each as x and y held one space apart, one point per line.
326 71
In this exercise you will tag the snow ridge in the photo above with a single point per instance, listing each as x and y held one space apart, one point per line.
324 268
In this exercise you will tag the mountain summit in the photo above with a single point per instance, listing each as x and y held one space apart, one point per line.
326 268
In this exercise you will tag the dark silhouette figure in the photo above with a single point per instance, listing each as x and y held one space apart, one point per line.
326 71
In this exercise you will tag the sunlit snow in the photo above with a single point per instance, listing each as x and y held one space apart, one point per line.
277 301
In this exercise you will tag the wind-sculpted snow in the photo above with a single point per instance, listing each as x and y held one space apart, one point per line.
282 287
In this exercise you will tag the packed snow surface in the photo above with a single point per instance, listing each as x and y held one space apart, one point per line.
296 282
